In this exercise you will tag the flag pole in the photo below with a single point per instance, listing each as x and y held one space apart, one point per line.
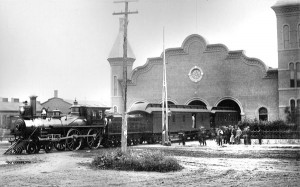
165 116
163 94
166 96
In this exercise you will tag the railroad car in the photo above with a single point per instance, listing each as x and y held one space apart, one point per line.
145 123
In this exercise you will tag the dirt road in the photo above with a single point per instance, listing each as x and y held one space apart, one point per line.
203 166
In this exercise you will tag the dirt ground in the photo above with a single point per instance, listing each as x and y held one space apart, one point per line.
232 165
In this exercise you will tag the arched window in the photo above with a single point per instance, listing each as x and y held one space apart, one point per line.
298 74
115 86
286 36
115 109
263 114
298 104
292 105
292 75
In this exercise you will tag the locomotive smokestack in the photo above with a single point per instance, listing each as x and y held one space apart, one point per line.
56 93
33 105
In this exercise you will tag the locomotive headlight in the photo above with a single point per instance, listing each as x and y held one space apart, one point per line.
22 110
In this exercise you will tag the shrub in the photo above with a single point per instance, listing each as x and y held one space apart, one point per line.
136 160
277 125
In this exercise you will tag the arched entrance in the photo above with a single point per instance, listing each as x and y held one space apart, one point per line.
230 104
227 112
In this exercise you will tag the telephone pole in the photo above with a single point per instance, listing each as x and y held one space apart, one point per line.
124 115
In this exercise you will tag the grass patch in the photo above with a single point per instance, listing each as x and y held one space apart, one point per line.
136 160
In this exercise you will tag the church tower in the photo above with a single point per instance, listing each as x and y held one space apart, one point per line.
115 60
288 39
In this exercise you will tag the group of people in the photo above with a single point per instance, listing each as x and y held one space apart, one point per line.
228 135
224 135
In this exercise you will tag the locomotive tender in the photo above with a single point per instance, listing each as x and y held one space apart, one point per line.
89 126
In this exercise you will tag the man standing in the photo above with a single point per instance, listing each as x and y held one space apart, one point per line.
238 135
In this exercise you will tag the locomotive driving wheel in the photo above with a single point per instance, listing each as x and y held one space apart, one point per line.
73 143
60 145
31 148
95 141
48 147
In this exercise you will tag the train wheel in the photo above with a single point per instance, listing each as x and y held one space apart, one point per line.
118 143
94 142
73 143
31 148
60 145
48 147
135 141
38 148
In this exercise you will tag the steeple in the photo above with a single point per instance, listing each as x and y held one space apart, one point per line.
115 60
117 49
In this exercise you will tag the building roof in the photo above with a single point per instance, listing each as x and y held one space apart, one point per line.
117 49
287 3
152 107
88 103
57 103
14 106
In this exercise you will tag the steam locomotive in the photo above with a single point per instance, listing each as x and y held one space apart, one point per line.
84 126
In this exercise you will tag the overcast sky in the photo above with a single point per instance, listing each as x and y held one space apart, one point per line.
63 45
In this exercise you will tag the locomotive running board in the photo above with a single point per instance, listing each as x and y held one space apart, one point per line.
67 137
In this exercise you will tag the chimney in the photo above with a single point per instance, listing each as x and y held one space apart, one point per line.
56 93
33 105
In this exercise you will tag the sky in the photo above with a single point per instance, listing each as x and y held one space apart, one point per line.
63 45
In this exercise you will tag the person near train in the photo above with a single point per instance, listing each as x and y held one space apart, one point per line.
219 137
204 136
232 135
238 135
200 137
260 135
181 135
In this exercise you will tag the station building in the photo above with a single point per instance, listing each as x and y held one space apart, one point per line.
199 73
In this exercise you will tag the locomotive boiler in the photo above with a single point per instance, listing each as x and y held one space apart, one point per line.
83 126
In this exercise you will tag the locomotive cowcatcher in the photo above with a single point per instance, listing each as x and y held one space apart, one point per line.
83 126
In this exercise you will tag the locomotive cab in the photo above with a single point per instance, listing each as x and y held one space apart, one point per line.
94 115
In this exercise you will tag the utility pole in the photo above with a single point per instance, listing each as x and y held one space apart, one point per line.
124 115
165 110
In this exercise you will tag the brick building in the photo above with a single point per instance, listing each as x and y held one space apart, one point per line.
199 73
10 109
56 103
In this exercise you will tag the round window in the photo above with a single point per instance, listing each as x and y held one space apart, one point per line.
195 74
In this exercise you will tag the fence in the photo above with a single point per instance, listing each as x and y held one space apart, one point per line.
276 134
